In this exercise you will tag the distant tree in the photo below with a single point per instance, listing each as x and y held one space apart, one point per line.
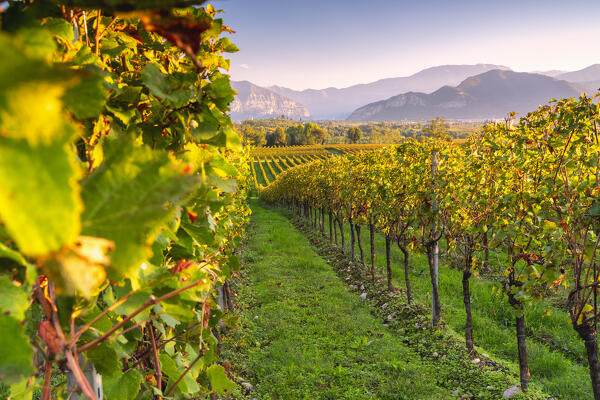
313 134
376 135
255 137
293 135
270 138
320 135
438 128
354 134
278 136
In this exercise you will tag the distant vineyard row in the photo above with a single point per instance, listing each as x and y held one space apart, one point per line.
268 162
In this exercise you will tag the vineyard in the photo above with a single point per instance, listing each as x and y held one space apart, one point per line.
146 252
268 162
517 202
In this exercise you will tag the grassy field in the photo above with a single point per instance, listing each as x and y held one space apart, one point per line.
305 336
557 357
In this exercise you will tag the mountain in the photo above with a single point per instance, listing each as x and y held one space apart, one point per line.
591 73
257 102
333 103
553 72
588 77
485 96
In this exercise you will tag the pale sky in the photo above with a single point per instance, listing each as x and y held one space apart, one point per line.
324 43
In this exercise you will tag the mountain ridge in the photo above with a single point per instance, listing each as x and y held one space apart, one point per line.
333 103
489 95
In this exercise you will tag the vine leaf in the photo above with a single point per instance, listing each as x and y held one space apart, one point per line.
14 300
30 272
21 390
16 361
105 359
218 379
86 99
123 386
163 86
173 371
39 197
60 28
79 267
129 197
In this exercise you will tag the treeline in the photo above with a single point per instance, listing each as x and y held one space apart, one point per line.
293 135
283 131
527 190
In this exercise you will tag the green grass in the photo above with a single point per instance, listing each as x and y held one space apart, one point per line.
277 167
268 173
334 151
260 177
559 373
305 336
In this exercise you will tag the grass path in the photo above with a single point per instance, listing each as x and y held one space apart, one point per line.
305 336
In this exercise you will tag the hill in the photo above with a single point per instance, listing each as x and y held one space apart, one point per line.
485 96
589 77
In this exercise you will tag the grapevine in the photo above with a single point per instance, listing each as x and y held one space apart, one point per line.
122 197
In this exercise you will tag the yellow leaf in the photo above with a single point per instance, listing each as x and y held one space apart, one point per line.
79 268
33 112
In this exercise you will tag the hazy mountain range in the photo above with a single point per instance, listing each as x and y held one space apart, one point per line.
489 95
446 90
338 103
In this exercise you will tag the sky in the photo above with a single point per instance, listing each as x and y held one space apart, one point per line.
338 43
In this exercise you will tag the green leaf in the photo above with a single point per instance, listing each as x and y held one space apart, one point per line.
218 379
166 318
136 300
39 196
228 46
594 210
226 185
86 99
129 197
84 56
30 274
61 28
173 369
221 91
21 390
111 47
170 368
38 42
155 80
14 300
16 354
163 86
123 386
200 231
105 359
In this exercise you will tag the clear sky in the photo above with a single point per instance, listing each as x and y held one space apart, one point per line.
321 43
